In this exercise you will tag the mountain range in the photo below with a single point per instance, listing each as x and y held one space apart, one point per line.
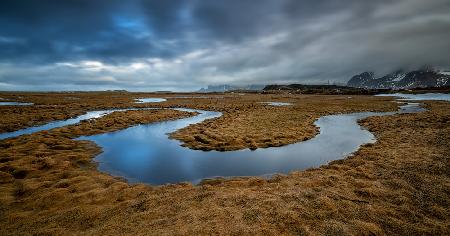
226 87
401 80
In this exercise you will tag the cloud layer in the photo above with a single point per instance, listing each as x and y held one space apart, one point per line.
184 45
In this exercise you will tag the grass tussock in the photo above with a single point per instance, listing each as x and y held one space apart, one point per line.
398 186
248 123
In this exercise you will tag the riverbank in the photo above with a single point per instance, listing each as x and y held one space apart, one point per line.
247 122
399 185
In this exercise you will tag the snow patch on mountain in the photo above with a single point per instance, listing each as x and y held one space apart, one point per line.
399 77
401 80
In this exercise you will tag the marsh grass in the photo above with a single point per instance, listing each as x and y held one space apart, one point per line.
398 186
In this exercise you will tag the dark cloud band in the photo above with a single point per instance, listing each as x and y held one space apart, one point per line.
241 41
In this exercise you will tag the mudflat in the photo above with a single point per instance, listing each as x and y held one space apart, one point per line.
399 185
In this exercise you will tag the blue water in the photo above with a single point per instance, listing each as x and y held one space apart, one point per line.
419 97
15 104
144 153
277 104
55 124
149 100
61 123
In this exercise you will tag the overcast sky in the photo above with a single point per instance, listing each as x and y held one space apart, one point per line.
183 45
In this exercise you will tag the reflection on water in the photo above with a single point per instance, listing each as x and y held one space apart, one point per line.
15 104
55 124
145 154
419 97
277 104
61 123
147 100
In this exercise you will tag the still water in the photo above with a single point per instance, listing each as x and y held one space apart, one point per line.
61 123
15 104
277 104
419 97
148 100
54 124
144 153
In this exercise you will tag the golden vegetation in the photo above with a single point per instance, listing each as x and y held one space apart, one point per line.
397 186
248 123
59 106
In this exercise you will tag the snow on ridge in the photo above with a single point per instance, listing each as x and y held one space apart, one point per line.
399 77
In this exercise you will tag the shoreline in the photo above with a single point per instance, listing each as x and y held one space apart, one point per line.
394 186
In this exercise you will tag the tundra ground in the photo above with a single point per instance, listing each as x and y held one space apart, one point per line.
399 185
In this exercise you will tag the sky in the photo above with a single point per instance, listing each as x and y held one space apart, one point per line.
183 45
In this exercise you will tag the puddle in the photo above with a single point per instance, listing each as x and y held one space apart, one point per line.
15 104
150 100
277 104
418 97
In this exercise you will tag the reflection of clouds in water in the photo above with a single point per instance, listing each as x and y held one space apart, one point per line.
145 154
277 104
419 97
61 123
150 100
15 104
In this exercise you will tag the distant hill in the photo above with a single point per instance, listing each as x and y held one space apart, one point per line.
302 87
226 88
319 89
401 80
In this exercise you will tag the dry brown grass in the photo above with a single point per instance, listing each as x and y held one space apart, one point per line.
247 123
398 186
59 106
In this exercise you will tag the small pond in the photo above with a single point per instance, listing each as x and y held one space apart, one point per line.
277 104
419 97
15 104
150 100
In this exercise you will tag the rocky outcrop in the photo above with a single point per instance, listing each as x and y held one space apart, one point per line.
401 80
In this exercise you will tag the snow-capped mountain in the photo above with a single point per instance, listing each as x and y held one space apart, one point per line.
226 87
401 80
361 80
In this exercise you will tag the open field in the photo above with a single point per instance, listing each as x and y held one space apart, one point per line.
246 121
399 185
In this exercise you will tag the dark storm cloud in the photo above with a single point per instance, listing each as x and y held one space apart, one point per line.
59 30
147 44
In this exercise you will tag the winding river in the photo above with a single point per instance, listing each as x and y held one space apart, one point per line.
61 123
143 153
